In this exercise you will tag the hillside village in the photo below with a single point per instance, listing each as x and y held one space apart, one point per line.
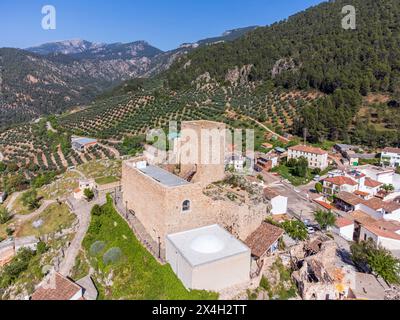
263 164
244 228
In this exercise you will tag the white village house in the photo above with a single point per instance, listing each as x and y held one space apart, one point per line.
279 203
316 157
390 157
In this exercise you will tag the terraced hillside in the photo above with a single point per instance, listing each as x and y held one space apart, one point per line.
45 146
34 148
133 113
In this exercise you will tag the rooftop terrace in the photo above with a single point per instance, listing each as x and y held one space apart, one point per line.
162 176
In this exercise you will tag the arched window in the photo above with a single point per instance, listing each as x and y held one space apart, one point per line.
186 206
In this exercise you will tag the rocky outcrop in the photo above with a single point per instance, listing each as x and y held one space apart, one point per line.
283 65
239 76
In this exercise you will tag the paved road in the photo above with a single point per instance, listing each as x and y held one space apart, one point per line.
82 210
298 202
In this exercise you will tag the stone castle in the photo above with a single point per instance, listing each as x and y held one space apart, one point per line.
167 200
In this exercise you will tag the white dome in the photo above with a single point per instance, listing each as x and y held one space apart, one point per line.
207 244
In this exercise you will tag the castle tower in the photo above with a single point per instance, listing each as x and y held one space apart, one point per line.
202 151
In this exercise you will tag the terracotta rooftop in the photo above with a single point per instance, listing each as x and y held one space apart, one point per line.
350 198
372 183
391 206
374 203
361 193
308 149
362 217
381 231
343 222
270 193
341 180
392 150
324 204
261 240
58 288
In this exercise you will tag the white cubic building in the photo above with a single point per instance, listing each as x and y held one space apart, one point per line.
279 203
391 157
208 258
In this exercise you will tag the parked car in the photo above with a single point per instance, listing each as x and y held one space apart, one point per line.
317 178
310 230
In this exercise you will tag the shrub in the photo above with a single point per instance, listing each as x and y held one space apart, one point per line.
41 247
297 230
112 256
377 259
318 187
97 247
10 232
30 199
97 211
19 264
325 218
5 215
89 194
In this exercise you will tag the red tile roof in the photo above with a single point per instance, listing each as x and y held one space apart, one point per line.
324 204
381 231
350 198
372 183
343 222
341 180
362 217
56 288
361 193
261 240
308 149
391 206
374 203
392 150
270 193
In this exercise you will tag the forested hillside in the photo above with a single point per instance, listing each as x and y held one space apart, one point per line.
312 51
52 77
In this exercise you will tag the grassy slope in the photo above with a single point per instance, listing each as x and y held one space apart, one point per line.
55 217
138 276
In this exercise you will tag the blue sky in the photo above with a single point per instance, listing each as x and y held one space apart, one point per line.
163 23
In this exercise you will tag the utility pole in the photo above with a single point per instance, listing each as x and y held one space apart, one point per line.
159 247
305 133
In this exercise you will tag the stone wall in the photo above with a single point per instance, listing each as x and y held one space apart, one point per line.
159 208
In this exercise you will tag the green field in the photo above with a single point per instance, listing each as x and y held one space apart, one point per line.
106 180
136 275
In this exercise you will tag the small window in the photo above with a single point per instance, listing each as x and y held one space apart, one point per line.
186 206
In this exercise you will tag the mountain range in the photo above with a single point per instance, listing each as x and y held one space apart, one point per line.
53 77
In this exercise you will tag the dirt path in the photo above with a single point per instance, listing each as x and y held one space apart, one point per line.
61 155
50 127
14 197
78 172
268 129
82 210
43 207
113 150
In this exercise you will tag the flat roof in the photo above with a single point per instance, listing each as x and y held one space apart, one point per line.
208 244
163 176
83 141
